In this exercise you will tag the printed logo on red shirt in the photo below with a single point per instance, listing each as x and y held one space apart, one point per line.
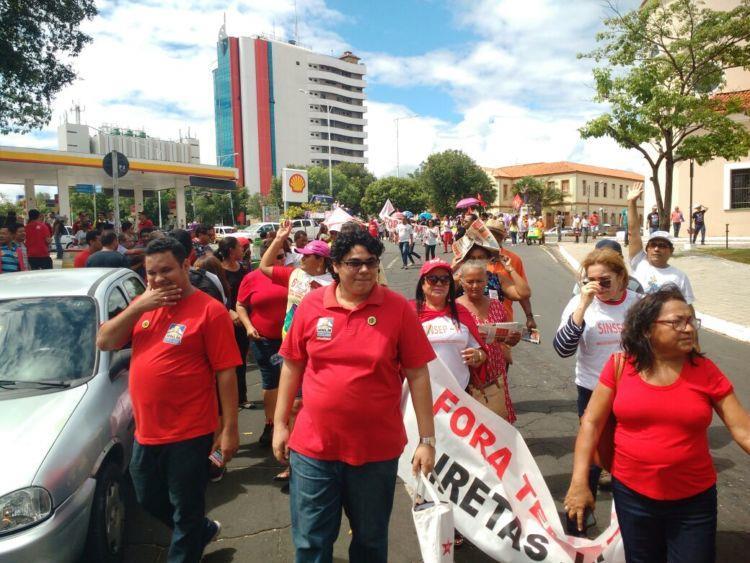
174 334
325 328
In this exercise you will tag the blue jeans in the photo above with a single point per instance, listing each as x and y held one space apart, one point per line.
170 483
58 248
262 351
405 249
657 531
699 228
318 490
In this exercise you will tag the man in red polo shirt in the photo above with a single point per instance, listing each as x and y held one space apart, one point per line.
38 237
350 344
183 350
144 222
93 244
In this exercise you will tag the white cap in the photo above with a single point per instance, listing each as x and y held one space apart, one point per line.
661 234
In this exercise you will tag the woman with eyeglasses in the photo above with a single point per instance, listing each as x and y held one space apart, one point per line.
492 391
349 347
590 328
261 306
663 396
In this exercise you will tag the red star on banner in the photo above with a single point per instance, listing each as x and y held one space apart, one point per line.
447 547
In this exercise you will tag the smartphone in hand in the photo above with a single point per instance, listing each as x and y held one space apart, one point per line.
217 458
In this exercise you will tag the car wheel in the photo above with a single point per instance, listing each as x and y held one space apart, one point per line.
70 245
106 536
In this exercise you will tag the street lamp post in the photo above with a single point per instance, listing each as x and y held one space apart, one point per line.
330 154
690 211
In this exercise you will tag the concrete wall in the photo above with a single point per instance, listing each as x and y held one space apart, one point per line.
249 98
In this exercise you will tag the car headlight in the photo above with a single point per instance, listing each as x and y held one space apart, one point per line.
23 508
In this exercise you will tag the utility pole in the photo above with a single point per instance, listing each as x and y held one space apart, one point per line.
330 154
690 211
115 190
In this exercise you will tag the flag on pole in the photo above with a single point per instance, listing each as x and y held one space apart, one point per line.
387 210
481 201
517 202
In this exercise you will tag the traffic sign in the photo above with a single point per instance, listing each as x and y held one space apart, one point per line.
122 164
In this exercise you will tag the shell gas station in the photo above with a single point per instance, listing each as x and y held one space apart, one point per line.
40 167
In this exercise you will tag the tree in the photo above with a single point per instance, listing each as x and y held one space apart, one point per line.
37 42
404 194
538 193
451 175
662 64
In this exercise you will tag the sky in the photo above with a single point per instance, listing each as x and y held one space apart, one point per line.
498 79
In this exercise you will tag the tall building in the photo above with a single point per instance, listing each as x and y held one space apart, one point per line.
278 104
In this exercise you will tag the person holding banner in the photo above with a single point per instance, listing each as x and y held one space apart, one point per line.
590 328
350 345
662 392
492 391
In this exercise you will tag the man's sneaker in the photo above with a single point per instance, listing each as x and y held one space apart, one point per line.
215 473
211 531
267 437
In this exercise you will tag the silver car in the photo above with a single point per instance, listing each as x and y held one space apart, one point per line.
66 421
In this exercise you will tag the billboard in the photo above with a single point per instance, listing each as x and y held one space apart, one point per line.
294 185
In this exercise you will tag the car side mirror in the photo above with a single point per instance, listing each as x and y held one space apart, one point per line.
119 363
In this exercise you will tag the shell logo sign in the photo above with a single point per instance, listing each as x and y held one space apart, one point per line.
294 185
297 183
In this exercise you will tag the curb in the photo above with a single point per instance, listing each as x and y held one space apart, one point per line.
715 324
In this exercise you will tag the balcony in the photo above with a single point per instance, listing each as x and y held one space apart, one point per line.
323 116
323 144
359 134
327 75
323 158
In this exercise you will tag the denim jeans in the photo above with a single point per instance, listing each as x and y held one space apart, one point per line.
676 229
657 531
170 483
318 490
595 472
405 249
263 350
429 252
699 228
58 247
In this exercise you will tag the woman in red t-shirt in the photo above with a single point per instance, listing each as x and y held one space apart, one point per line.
663 478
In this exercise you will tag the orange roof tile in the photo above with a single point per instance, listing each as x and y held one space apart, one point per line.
564 167
743 96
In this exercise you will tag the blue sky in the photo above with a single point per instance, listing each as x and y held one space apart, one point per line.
498 79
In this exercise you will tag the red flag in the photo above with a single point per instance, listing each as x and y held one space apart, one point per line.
517 202
481 201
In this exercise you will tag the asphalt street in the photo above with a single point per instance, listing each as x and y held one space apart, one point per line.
255 514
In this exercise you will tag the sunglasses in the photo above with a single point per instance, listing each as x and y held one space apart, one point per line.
662 245
604 283
433 279
370 264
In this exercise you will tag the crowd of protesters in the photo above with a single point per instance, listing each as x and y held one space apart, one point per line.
333 417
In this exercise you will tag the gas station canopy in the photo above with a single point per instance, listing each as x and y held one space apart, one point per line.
31 167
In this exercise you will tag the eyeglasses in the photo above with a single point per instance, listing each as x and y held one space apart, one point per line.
681 323
438 280
662 245
604 283
370 264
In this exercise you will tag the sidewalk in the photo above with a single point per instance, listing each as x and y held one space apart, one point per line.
721 290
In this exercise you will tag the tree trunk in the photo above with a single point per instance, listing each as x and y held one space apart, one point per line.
666 205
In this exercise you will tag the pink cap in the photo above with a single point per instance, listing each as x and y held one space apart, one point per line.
317 247
430 265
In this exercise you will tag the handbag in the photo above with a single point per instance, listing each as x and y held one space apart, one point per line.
433 521
605 448
491 396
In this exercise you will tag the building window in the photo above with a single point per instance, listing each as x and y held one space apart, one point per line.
620 191
605 189
596 189
583 187
565 186
739 189
505 191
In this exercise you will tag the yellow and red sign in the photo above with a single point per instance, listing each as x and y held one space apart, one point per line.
294 185
297 183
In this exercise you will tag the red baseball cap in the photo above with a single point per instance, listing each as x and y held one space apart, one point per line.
435 264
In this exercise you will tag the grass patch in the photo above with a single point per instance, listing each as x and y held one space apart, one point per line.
735 254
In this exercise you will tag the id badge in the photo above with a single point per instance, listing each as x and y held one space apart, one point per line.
493 294
324 330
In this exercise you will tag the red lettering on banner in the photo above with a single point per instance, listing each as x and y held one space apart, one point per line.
500 461
442 402
538 513
526 489
482 437
470 420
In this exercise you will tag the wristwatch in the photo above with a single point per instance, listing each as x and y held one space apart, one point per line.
427 441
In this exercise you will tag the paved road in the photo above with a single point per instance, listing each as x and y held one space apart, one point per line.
255 514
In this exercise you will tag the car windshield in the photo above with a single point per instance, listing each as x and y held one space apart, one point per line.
47 338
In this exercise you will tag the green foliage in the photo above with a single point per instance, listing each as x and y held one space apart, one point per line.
538 193
9 206
38 41
661 64
404 193
451 175
151 206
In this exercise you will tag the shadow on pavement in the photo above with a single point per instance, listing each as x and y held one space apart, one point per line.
546 406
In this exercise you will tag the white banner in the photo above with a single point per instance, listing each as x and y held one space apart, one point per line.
501 502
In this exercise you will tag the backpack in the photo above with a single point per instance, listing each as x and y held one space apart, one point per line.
199 280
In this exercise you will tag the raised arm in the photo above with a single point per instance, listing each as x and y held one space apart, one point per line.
634 224
269 257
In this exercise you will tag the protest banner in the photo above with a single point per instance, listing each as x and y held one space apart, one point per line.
501 503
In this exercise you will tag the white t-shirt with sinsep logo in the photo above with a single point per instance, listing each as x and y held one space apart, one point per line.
601 335
653 278
447 341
